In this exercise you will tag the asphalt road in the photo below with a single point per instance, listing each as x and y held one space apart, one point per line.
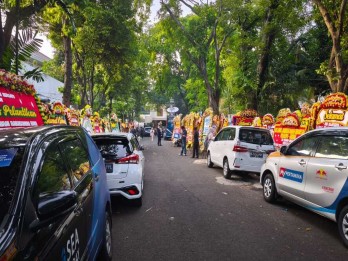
190 212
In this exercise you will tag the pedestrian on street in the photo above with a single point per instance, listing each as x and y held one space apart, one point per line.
195 142
183 141
142 132
159 136
210 137
152 133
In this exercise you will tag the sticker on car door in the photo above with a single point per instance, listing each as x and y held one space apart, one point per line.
290 174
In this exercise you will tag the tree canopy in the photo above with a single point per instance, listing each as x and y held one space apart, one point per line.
227 55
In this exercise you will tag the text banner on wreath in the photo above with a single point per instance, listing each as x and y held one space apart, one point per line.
18 110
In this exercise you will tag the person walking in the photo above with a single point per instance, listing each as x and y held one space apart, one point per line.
195 142
152 133
183 141
159 136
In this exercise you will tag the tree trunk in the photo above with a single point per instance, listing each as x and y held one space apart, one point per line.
213 94
337 73
68 74
267 41
110 105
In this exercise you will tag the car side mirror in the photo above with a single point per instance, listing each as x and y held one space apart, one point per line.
53 206
283 149
54 203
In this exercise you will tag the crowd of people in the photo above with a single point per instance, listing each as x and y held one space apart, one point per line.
138 131
158 131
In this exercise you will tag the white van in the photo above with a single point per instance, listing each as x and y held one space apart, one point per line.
239 148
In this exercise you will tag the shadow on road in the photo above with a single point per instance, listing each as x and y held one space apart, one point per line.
120 204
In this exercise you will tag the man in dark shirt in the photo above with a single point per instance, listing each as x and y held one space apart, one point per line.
183 141
159 136
195 142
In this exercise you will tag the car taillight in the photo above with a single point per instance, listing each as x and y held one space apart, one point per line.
238 148
132 159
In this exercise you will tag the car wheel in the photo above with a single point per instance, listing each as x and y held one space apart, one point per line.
138 202
209 163
106 250
343 225
226 170
269 189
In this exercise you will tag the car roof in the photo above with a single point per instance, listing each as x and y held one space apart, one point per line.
246 127
21 136
112 135
329 130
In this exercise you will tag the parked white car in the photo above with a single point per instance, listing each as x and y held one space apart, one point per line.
313 172
124 163
239 148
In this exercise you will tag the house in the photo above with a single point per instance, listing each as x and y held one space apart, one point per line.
48 89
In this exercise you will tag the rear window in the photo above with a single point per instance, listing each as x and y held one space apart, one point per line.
113 148
10 163
255 136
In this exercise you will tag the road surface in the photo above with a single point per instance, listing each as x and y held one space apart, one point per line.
190 212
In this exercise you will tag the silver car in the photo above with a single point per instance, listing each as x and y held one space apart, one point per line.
312 172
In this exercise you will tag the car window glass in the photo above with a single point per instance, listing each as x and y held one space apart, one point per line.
255 136
94 150
77 158
303 147
334 147
113 148
135 143
219 136
232 134
53 176
225 134
10 163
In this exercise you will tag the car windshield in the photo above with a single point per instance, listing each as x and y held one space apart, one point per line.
255 136
10 163
113 148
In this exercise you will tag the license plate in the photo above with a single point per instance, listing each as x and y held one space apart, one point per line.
254 154
109 168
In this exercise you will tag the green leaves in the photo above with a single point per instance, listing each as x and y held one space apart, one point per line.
27 44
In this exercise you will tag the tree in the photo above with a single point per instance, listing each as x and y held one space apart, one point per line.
22 14
205 33
334 14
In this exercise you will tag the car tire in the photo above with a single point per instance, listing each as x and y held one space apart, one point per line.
343 225
226 169
138 202
209 162
269 189
106 249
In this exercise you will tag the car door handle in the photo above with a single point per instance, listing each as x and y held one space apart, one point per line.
96 176
340 166
302 162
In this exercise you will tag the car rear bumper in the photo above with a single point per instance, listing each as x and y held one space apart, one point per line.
238 165
132 191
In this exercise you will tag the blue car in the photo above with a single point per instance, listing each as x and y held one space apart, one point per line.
54 200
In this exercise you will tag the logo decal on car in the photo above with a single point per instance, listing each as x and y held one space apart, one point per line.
290 174
321 174
328 189
72 250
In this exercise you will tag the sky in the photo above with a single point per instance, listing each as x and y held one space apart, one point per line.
48 50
